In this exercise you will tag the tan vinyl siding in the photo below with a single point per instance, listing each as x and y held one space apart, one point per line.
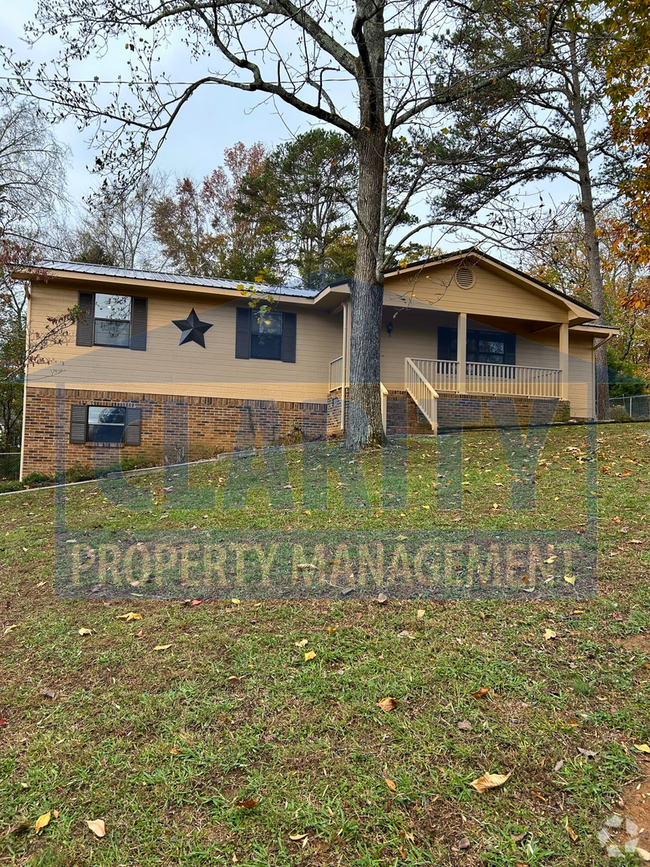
581 375
491 295
167 368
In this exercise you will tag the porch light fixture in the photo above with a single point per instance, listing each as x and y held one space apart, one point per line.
465 277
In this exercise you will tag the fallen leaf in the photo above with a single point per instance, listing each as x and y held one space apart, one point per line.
310 655
173 751
3 722
162 647
421 613
236 601
303 643
382 599
570 830
489 781
643 854
97 826
387 704
85 631
390 783
590 754
248 803
332 630
129 617
480 693
463 843
570 579
549 634
642 748
42 822
297 837
21 828
559 765
465 725
48 693
8 629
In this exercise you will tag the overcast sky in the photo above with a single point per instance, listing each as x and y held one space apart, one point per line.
215 118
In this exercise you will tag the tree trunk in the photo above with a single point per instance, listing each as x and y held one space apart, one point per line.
591 235
367 288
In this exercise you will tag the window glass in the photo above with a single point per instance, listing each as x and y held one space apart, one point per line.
112 320
266 336
105 424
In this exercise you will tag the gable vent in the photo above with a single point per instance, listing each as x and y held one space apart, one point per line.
465 277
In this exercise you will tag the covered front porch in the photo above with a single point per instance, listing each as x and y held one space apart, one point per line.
433 354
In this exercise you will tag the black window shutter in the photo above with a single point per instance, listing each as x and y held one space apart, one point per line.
447 343
78 416
85 322
133 426
509 344
243 333
289 337
139 324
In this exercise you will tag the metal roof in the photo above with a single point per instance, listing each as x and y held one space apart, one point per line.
164 277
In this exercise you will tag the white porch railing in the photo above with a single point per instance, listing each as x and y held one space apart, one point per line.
512 379
336 373
422 392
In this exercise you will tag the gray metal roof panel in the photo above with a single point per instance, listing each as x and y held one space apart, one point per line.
181 279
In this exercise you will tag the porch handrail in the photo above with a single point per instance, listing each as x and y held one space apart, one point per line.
336 373
513 379
422 392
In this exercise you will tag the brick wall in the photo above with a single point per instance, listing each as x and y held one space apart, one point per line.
173 429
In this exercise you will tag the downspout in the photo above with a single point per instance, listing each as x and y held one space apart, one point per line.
27 333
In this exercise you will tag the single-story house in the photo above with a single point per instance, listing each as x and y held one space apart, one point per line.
161 363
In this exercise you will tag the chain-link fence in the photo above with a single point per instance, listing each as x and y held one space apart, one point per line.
9 465
636 406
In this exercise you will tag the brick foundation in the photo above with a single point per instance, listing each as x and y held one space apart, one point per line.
174 429
177 429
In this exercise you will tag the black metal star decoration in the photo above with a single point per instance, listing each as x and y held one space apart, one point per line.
193 329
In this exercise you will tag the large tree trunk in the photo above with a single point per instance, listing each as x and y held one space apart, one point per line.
367 298
591 235
367 288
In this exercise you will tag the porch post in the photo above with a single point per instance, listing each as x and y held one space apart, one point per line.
564 360
346 358
461 353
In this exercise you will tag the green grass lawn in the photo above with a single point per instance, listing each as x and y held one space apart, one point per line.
164 745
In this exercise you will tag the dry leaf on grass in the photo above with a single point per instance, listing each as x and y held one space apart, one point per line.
302 643
42 822
85 631
421 613
382 599
8 629
387 704
3 722
97 826
248 803
642 748
310 655
162 647
236 601
129 616
549 634
643 854
481 693
489 781
465 725
297 837
48 693
390 783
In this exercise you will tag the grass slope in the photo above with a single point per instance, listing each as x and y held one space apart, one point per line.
163 744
